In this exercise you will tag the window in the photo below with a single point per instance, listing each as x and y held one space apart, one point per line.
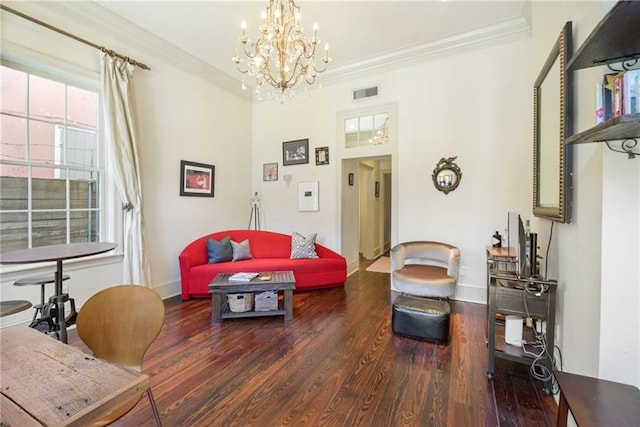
367 129
50 162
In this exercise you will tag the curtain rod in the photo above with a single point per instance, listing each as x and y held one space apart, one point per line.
81 40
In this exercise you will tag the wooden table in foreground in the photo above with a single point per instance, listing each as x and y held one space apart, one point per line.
596 402
46 382
280 281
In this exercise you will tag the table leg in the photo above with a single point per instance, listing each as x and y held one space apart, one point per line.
60 298
563 411
216 309
491 330
288 304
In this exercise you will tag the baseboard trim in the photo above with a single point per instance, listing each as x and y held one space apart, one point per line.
353 267
470 293
169 289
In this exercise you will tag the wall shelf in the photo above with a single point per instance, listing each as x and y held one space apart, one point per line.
615 39
623 127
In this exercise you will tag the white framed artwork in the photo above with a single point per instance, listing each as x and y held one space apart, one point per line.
308 196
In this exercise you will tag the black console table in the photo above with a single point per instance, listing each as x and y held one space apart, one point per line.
528 298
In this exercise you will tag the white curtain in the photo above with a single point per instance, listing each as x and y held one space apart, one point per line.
124 165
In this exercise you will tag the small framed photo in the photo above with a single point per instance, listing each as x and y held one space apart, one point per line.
295 152
322 156
196 179
270 172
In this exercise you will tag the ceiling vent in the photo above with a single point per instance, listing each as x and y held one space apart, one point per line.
369 92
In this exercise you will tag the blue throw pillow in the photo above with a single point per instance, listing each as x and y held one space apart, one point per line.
219 250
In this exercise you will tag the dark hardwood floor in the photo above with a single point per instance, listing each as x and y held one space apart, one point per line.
337 363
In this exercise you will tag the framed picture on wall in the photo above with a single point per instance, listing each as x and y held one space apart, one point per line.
270 172
308 196
196 179
322 156
295 152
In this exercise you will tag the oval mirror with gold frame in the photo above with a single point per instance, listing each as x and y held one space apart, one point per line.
447 174
552 113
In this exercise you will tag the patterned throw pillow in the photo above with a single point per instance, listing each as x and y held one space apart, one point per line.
241 250
303 247
219 250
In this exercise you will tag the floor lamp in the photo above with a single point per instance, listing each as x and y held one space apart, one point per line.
255 212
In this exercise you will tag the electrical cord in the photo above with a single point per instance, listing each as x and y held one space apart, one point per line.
542 359
546 256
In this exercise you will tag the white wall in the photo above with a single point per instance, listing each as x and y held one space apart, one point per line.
181 117
595 258
476 106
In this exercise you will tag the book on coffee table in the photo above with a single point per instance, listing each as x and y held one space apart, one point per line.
243 277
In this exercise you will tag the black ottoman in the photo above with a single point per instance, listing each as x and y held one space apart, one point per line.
421 318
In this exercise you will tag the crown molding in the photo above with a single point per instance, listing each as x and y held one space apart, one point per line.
515 29
99 18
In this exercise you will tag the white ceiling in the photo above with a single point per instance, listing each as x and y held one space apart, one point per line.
356 31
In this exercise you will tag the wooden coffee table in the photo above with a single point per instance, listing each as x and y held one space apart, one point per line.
280 281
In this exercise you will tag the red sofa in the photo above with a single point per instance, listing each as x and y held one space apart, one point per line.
270 251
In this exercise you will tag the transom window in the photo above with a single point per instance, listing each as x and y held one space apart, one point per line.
50 162
367 129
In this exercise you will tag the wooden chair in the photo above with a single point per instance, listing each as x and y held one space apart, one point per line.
118 325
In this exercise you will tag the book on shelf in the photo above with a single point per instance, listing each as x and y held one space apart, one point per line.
243 277
631 92
618 95
601 108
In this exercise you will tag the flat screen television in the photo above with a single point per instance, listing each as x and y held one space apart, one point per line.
517 239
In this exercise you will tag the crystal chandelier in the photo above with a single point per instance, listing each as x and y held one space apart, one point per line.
280 57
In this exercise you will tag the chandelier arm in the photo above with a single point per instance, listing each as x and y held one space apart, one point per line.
308 49
294 75
255 46
267 76
321 70
240 69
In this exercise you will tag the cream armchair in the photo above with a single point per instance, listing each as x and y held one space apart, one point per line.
425 269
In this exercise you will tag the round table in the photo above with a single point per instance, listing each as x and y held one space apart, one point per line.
12 307
57 253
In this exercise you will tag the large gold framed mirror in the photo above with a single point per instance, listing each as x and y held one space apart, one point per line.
552 124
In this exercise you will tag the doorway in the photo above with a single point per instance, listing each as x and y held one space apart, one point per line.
366 208
367 213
